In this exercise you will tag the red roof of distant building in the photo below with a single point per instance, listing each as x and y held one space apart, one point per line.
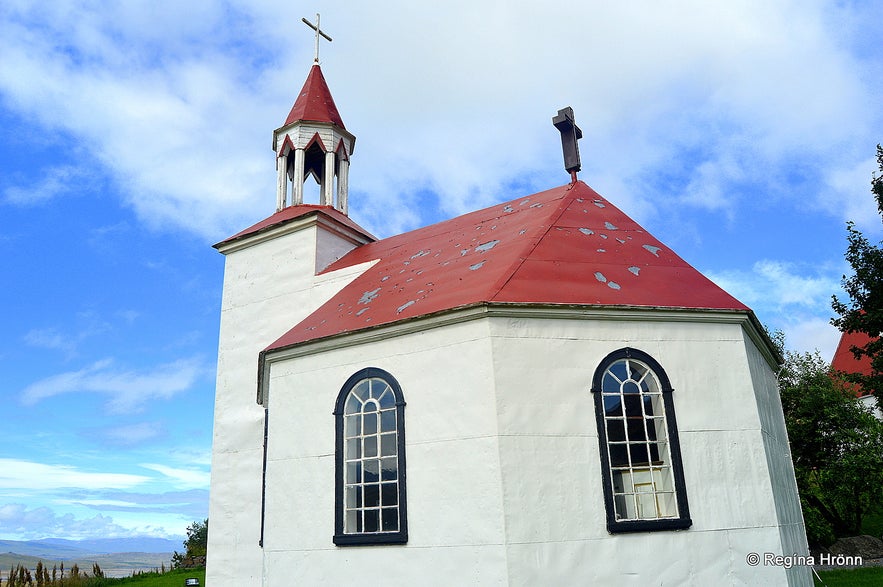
314 103
845 361
566 246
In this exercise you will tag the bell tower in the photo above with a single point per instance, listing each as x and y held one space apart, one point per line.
313 142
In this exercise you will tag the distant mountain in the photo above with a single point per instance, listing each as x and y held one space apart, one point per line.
36 548
61 549
113 545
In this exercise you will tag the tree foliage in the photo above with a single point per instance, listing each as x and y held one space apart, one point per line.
196 543
836 446
863 312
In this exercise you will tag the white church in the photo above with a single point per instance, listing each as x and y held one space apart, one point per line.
536 393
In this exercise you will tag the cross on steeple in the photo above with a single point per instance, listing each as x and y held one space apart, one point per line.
570 134
319 31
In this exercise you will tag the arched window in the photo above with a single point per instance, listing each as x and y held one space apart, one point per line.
640 454
370 504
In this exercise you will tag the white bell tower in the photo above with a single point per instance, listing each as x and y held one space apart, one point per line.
313 142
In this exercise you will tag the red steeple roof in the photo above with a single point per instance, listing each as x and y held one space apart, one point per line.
566 246
314 103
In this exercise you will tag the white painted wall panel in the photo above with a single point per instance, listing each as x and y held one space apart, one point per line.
551 489
725 486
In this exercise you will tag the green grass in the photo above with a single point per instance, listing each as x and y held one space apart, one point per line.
861 577
171 579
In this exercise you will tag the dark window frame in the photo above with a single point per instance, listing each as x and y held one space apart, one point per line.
361 539
615 526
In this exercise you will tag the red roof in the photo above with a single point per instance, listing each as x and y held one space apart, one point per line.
845 361
314 103
567 245
291 213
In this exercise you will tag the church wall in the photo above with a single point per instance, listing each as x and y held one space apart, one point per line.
779 464
504 481
552 487
267 288
870 403
454 497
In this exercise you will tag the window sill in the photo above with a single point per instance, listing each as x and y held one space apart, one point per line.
370 539
624 526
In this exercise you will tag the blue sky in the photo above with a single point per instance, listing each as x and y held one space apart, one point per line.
134 135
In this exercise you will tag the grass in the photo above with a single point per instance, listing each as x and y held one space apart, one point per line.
860 577
872 525
170 579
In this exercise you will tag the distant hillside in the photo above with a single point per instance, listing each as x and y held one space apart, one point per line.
9 560
118 557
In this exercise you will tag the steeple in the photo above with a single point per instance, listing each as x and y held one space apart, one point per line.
313 142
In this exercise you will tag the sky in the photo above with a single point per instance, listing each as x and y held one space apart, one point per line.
136 134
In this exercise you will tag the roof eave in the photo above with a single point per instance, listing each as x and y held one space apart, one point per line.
477 310
319 214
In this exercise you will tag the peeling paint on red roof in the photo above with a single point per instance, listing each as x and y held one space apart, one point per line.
314 103
563 246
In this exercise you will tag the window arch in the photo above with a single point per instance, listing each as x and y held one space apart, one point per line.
643 478
370 496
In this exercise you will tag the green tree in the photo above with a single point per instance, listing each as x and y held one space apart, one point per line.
836 446
196 543
863 312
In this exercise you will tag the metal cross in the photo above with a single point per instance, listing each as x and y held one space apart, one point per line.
570 134
319 31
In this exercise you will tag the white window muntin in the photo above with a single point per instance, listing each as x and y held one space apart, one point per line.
638 448
371 475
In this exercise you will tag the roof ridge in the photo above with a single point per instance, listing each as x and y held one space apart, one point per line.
562 208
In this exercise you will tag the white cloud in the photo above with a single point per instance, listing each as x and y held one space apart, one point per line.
89 325
18 522
21 474
134 434
181 121
54 182
809 334
127 390
191 503
788 297
49 338
849 195
781 286
183 478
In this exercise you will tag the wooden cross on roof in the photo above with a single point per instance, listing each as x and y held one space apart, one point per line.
570 134
319 32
